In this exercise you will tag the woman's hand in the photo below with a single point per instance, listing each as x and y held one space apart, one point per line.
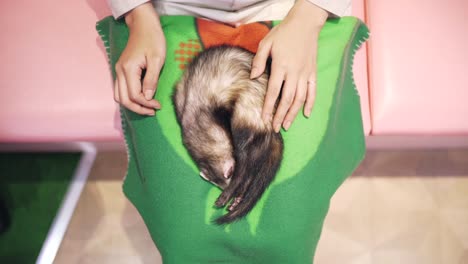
292 46
146 49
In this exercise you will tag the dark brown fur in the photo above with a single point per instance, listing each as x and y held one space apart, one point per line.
219 109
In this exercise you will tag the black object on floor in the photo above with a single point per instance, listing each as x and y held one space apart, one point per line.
32 187
4 217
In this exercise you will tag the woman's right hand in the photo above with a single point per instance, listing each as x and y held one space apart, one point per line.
146 49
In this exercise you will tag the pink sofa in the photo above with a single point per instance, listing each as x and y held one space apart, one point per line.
56 85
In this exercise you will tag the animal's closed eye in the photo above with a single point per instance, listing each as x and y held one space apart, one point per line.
221 185
203 175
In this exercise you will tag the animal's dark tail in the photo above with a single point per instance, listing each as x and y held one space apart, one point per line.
258 150
258 155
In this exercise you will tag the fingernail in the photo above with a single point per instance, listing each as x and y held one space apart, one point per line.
253 73
148 94
277 128
307 113
286 125
312 83
158 105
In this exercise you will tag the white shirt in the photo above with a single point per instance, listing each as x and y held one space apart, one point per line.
229 11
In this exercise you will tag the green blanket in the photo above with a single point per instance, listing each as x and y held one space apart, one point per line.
320 153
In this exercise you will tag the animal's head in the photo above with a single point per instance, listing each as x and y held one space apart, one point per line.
217 171
210 147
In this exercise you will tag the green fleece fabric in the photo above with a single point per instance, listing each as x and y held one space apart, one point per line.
320 152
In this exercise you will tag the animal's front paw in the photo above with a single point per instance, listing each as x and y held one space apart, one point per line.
223 198
234 203
226 196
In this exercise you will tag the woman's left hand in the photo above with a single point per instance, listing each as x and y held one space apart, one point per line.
292 46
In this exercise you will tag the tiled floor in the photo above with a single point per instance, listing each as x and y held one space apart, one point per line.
399 207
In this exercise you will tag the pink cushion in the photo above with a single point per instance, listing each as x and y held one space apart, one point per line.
418 66
360 70
55 80
54 77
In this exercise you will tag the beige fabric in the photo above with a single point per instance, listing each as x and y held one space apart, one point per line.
120 7
229 11
336 7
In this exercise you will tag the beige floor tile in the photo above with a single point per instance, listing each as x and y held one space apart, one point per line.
106 228
399 208
346 228
403 219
